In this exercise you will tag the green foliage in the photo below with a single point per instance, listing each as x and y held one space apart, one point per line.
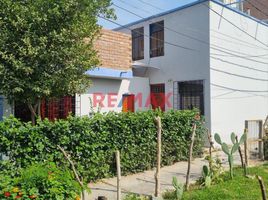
211 175
238 188
46 46
175 194
216 169
136 197
40 181
230 152
91 142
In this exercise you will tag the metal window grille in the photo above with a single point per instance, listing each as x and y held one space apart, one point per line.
157 39
138 44
191 95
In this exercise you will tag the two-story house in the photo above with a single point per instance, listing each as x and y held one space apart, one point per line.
210 56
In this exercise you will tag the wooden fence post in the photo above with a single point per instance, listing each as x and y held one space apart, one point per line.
118 168
210 148
246 151
190 157
157 174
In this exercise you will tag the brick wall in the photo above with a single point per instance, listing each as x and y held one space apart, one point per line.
261 5
114 50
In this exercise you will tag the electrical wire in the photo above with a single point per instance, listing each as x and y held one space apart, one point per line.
239 65
237 75
234 25
137 8
122 26
209 8
146 3
218 48
239 90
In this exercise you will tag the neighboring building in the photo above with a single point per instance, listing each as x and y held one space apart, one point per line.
208 55
257 8
113 85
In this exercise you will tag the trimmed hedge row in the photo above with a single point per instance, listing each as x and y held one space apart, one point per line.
91 142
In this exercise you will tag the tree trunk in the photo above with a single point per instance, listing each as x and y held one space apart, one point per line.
33 112
39 108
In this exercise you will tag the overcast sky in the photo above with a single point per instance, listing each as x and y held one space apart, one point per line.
140 8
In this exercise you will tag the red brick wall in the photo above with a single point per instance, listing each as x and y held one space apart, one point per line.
260 4
114 50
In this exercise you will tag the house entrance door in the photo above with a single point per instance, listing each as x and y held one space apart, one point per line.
158 96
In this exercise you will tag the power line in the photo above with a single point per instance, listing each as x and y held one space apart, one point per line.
237 75
234 25
146 3
122 26
239 65
224 94
193 38
131 5
253 56
236 40
239 90
235 55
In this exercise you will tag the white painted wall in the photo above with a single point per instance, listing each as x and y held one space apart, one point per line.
7 109
230 109
179 64
113 89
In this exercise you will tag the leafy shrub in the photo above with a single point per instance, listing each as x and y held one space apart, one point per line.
136 197
40 181
91 142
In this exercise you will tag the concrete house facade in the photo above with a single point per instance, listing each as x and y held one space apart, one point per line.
208 55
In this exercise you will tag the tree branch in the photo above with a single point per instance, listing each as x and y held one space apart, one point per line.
72 164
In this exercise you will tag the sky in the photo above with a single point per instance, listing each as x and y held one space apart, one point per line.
144 8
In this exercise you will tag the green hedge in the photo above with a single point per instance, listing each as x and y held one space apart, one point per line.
91 141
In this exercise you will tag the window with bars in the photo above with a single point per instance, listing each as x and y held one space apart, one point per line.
191 95
58 108
157 39
138 44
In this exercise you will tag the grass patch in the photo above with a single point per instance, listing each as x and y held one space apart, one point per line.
238 188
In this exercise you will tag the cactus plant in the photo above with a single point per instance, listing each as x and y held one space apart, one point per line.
207 176
232 150
175 194
178 188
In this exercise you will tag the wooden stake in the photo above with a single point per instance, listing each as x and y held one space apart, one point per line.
157 174
246 152
210 148
190 157
262 186
240 152
118 168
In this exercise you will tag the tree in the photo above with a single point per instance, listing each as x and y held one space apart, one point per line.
46 46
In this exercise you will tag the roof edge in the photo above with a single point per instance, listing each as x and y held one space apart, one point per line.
190 5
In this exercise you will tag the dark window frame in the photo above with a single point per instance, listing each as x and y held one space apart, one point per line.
137 42
157 37
191 95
